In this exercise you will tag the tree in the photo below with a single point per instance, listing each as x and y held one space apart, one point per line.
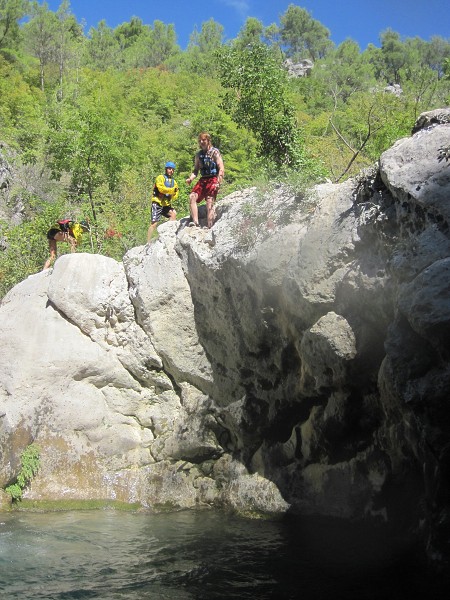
301 34
250 34
271 35
134 39
127 34
21 112
394 56
92 141
200 53
102 49
366 126
53 39
210 37
257 99
40 37
164 43
69 37
11 11
421 86
152 47
345 71
435 53
446 68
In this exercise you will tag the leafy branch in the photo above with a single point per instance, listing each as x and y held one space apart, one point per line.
370 131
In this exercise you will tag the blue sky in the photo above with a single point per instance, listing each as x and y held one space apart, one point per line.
361 20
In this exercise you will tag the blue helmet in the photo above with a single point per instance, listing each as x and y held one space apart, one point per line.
170 165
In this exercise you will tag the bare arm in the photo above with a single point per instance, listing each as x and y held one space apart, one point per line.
219 163
194 173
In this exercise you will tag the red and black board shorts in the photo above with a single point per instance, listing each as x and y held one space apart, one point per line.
205 187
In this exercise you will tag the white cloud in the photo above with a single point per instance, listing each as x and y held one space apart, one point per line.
242 7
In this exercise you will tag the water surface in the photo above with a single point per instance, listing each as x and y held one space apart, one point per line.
203 556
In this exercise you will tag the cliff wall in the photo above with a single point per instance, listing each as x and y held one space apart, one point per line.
295 357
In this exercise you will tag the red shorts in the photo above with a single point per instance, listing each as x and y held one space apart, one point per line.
205 188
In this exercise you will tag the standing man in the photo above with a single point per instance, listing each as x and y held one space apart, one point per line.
210 164
165 191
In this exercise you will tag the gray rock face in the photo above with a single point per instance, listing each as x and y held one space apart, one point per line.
302 68
12 207
394 88
432 117
296 355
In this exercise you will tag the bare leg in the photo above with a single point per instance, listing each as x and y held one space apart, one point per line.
193 206
51 259
210 212
59 237
151 231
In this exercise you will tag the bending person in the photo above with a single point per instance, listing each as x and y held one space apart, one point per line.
64 231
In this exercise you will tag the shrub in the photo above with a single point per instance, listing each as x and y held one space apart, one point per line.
29 466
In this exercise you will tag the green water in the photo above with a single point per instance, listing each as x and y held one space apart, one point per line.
204 556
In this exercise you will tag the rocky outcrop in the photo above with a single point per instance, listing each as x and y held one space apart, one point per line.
295 357
11 203
19 180
302 68
394 88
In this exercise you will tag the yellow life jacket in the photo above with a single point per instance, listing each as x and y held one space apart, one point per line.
165 190
77 231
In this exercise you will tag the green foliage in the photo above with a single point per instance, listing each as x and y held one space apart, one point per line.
11 11
54 39
40 36
21 112
26 246
257 98
344 72
29 466
446 65
130 45
394 57
200 53
384 115
91 139
303 36
102 49
105 111
250 34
